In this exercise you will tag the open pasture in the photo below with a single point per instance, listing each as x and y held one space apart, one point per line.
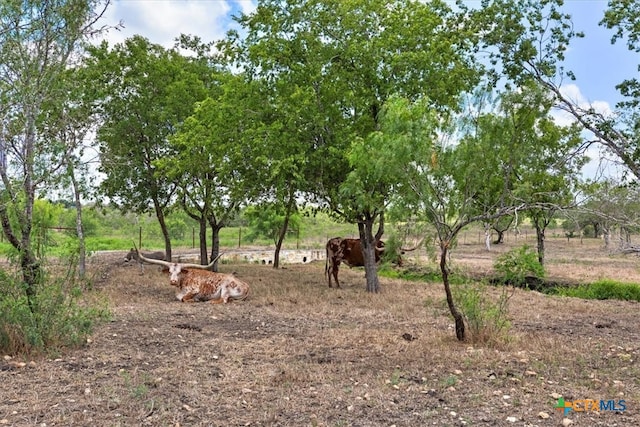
299 354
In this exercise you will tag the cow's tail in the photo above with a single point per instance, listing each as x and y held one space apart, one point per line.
326 262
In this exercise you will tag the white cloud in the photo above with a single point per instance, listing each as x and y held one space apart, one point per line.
161 21
599 165
572 93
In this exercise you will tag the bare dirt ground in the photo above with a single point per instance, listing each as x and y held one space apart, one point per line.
299 354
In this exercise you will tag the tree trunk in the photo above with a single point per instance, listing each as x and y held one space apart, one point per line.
283 230
163 227
79 228
444 269
606 234
215 240
367 242
540 238
487 237
202 236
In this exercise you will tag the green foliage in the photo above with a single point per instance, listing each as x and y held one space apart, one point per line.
392 249
267 221
514 266
54 319
487 320
91 221
603 289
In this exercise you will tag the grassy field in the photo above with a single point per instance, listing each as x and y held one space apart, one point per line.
297 353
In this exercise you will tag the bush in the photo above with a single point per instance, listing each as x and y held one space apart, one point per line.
486 320
52 320
517 264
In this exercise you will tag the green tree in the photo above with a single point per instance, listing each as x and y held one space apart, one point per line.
38 40
335 63
475 177
68 121
530 39
215 164
549 160
143 93
267 221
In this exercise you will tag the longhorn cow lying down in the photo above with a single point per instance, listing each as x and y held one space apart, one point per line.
196 283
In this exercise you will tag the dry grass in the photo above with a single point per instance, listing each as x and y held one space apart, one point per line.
297 353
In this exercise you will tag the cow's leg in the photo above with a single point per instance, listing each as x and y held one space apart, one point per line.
219 296
188 296
335 271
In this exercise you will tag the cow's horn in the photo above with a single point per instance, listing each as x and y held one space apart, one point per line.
203 267
152 261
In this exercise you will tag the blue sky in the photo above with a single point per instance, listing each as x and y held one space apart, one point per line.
598 64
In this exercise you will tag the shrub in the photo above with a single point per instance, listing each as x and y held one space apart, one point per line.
514 266
52 320
486 320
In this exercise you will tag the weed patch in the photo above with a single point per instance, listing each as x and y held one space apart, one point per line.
602 290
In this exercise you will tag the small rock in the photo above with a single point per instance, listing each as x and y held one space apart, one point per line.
408 337
512 419
566 422
555 395
531 373
543 415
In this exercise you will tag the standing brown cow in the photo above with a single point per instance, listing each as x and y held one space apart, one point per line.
348 251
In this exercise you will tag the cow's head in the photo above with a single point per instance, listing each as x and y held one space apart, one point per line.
131 255
174 269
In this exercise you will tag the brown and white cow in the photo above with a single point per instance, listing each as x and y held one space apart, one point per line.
348 251
196 283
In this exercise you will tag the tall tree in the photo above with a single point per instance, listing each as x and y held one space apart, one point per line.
343 60
68 122
486 174
549 157
38 38
143 92
531 38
